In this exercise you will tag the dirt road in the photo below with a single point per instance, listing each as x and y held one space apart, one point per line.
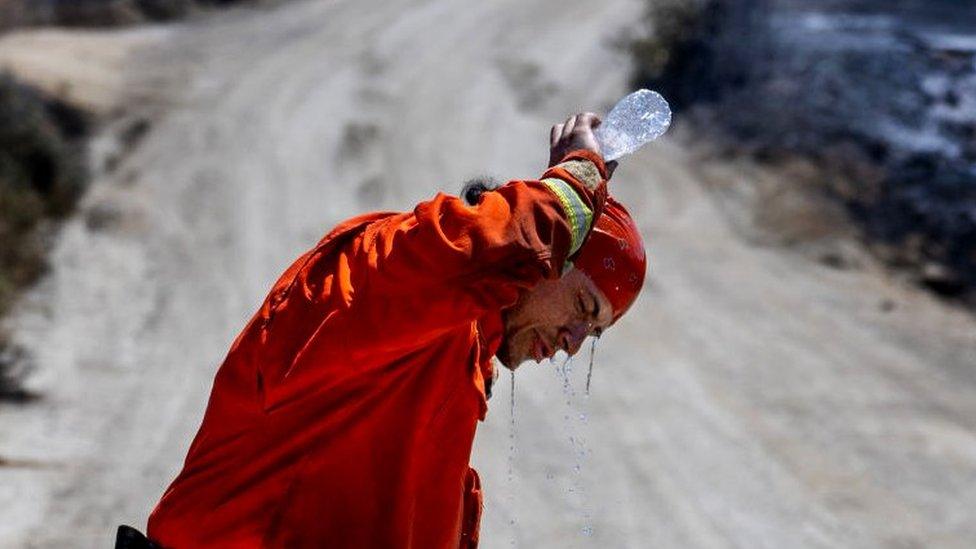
753 398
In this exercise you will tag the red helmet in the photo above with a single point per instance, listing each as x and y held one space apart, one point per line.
613 257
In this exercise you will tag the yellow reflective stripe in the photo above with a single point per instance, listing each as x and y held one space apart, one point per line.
580 217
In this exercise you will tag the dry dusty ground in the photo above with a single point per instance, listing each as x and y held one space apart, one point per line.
753 398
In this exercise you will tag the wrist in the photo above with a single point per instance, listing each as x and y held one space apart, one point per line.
587 154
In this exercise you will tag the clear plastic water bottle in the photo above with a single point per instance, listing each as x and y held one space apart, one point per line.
637 119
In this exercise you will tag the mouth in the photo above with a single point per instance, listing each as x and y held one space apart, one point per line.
541 350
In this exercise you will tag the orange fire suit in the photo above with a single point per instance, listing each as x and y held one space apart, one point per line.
344 413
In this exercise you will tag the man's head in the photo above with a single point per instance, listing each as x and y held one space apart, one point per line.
587 299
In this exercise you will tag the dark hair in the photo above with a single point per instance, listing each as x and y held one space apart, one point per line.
473 188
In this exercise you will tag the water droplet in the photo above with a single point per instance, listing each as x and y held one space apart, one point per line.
512 398
511 458
589 373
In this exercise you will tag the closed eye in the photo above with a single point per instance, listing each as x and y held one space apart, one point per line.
581 305
595 315
592 312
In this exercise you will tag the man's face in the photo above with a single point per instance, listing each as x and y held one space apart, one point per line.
553 315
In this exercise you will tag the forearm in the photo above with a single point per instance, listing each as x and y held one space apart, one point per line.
579 181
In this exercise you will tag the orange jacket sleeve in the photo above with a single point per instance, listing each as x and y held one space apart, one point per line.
447 263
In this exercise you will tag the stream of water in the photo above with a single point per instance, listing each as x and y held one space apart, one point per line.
574 423
511 460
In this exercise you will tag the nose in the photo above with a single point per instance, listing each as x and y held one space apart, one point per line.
571 337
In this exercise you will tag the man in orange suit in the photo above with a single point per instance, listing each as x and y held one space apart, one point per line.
343 415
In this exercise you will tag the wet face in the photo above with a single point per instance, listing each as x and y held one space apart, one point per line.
554 315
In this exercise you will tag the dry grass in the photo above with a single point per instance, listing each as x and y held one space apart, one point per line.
714 61
42 175
98 13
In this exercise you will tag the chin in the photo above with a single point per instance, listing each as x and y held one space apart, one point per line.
504 355
506 361
514 365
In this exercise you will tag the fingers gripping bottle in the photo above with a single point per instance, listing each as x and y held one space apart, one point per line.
636 120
